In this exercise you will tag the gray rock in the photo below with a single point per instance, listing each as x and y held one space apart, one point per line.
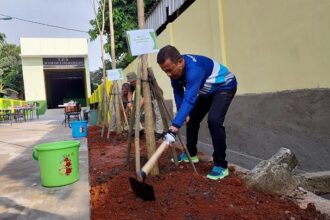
275 174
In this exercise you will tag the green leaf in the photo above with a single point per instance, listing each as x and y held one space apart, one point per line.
11 75
124 19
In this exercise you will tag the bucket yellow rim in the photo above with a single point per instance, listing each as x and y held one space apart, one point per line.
57 145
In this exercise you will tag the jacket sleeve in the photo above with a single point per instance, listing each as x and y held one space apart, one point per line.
194 79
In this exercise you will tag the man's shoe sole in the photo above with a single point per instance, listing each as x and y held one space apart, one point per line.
216 177
186 161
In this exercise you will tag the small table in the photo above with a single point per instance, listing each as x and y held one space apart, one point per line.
70 111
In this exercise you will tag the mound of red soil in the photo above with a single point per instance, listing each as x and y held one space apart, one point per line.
180 194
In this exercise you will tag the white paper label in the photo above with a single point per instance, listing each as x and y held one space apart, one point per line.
115 74
143 41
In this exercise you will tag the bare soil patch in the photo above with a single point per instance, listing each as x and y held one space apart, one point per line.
180 194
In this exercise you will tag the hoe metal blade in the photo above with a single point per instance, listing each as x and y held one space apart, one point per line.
142 190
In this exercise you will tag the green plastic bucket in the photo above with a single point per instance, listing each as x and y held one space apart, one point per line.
58 162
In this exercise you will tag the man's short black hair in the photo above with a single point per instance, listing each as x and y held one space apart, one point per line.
168 52
125 86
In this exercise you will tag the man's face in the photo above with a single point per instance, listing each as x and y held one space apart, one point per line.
173 70
124 91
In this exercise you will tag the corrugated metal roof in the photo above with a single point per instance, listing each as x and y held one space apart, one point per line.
158 16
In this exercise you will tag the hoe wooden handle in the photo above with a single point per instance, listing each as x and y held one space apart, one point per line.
153 160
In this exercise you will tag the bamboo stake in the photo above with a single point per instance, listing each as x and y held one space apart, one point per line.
112 37
113 96
169 116
123 110
101 31
181 141
159 96
99 113
130 131
111 103
149 120
113 66
117 110
137 122
106 120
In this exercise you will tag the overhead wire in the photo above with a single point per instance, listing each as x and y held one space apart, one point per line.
48 25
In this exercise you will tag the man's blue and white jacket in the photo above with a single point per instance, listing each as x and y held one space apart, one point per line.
201 76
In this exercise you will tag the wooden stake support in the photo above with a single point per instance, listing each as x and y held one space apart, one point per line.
130 131
158 94
107 107
131 125
149 119
137 122
166 117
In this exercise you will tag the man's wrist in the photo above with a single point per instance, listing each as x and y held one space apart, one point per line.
176 126
173 129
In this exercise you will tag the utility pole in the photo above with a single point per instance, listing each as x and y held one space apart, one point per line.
149 120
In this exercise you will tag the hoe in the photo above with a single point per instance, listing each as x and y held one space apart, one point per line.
140 188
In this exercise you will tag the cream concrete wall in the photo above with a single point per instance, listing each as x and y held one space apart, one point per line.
34 80
162 79
192 30
278 45
269 45
47 47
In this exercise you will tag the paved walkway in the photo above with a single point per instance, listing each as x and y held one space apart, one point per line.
21 193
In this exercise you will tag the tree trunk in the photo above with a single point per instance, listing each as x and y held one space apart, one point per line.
113 66
104 101
149 120
101 31
105 95
112 37
137 122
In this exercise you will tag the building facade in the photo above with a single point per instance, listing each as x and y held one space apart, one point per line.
55 70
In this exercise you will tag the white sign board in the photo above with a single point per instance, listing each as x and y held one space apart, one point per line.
115 74
142 41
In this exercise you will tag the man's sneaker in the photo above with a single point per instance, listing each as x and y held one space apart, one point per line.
218 173
183 157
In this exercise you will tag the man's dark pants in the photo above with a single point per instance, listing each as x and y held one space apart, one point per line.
216 105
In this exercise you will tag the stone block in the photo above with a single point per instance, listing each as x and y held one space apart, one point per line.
275 174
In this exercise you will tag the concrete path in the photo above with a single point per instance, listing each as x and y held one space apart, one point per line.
21 193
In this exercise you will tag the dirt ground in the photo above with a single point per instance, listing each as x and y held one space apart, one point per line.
180 194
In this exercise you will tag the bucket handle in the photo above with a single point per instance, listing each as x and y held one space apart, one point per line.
35 154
